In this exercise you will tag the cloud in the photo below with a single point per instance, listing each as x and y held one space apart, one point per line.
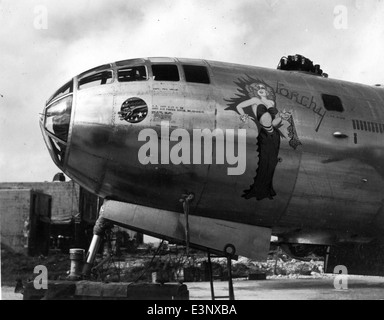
71 21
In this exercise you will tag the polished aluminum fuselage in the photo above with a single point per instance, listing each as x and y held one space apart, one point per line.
329 189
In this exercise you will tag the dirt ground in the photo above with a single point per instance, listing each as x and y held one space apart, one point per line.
141 266
278 288
16 266
130 267
8 293
301 288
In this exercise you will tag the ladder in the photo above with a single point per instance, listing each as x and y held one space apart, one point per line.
231 293
229 250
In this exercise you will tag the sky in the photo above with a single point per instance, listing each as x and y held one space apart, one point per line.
44 43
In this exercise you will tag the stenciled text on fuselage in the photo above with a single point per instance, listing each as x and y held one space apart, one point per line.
203 146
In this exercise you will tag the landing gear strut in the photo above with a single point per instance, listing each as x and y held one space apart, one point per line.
186 199
98 233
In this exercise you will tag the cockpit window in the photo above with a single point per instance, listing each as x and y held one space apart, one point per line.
196 74
96 79
58 117
59 150
165 72
99 68
65 89
332 103
130 74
